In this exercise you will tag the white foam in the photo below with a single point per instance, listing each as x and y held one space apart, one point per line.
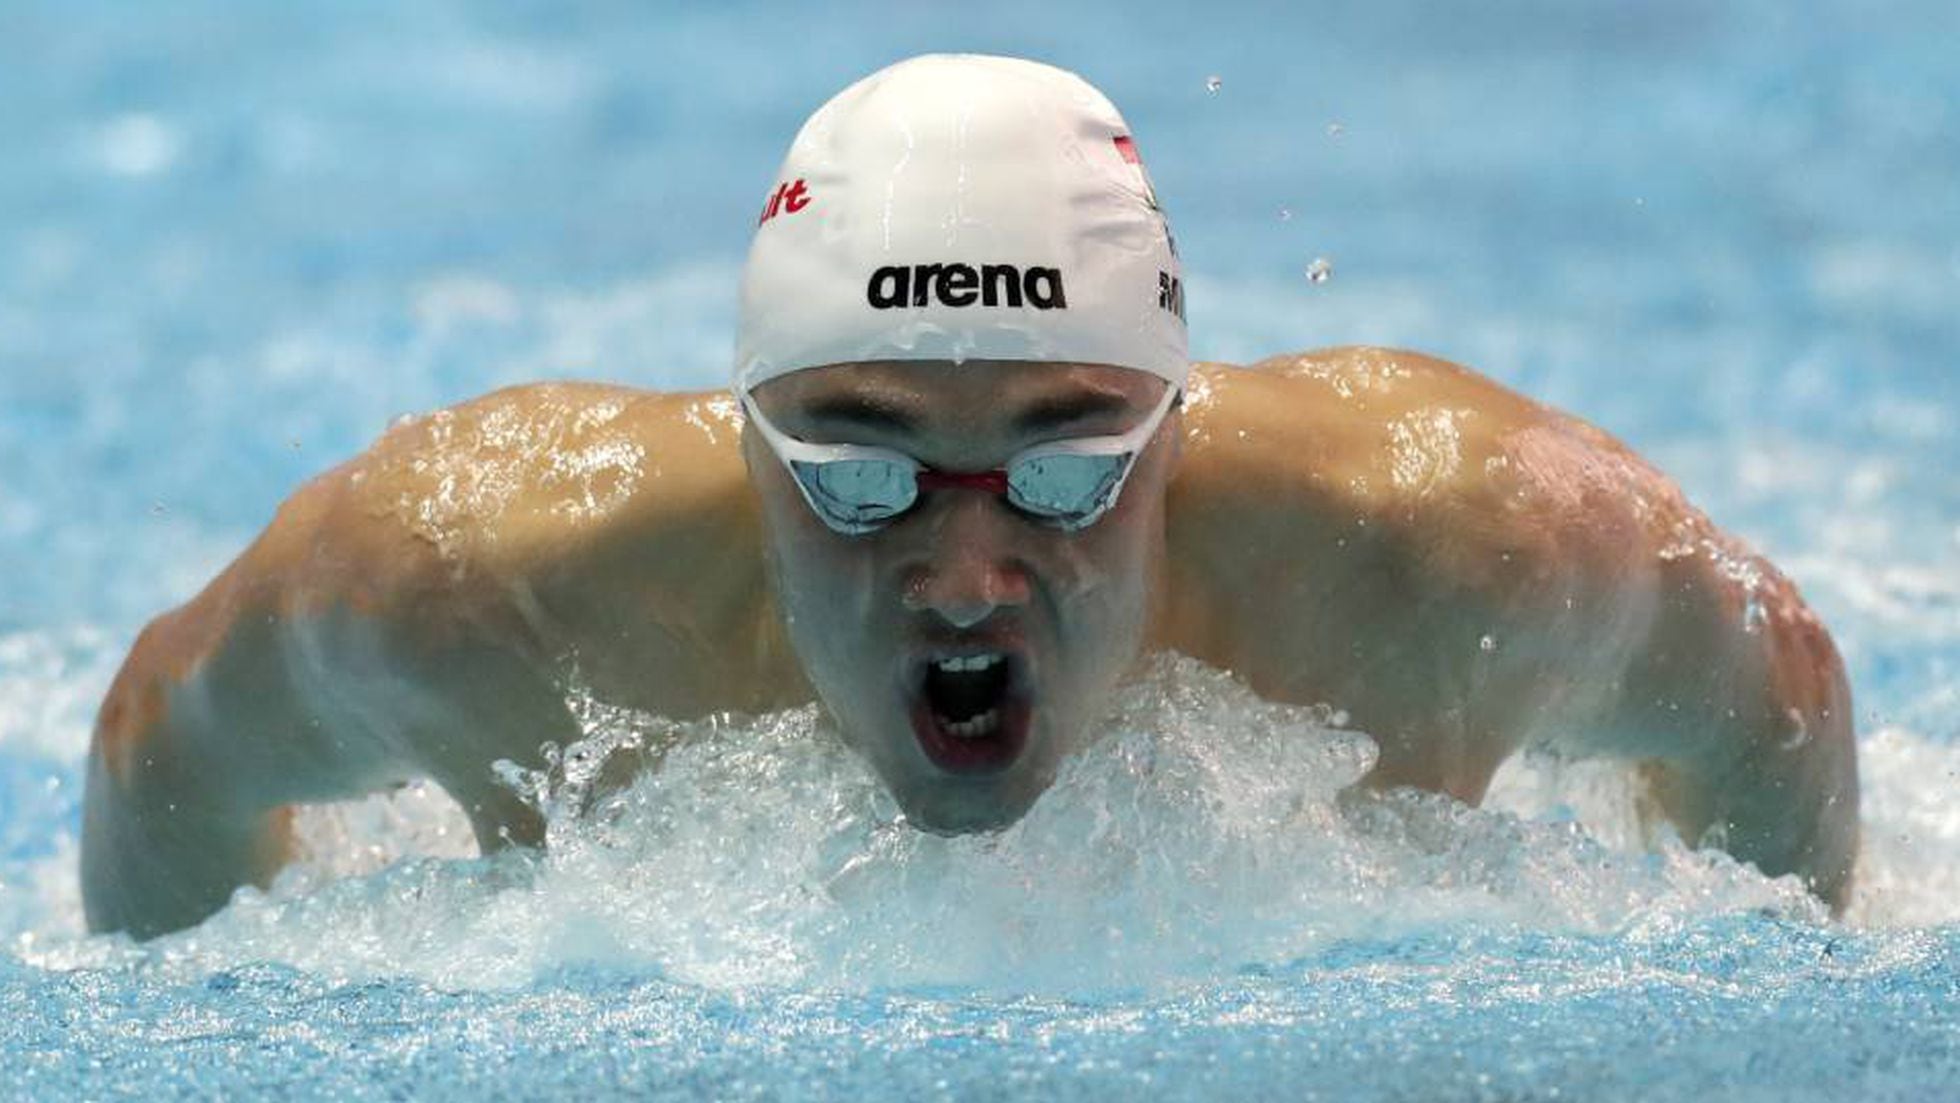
50 684
1207 832
1909 865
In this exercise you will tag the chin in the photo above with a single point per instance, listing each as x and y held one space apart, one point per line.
961 808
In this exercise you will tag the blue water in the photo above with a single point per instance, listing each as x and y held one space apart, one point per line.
235 241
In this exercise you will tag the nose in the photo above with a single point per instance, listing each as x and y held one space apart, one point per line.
970 562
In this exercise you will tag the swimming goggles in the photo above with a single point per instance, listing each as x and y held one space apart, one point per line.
857 488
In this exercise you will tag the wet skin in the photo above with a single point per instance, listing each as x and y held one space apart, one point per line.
1465 572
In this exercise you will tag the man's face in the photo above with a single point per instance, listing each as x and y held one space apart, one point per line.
964 648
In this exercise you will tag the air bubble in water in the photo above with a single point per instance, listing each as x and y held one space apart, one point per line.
1336 129
1320 271
1213 84
1285 214
1486 643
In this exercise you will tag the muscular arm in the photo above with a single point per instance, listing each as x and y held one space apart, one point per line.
1738 705
1468 573
422 611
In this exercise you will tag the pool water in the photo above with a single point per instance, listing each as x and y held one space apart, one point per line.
235 243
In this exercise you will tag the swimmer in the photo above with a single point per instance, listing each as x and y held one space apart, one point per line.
967 477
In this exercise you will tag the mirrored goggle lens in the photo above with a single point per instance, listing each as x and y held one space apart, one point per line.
1071 489
853 495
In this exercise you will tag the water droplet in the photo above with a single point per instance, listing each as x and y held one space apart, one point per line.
1336 129
1486 643
1320 271
1213 84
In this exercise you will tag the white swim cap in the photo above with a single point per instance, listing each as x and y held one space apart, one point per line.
962 207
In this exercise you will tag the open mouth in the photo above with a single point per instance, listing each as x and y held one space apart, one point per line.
970 710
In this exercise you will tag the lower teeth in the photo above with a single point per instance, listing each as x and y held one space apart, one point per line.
975 727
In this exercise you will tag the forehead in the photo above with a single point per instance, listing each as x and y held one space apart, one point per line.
932 389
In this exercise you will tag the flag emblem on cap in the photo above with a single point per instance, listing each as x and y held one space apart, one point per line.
1126 148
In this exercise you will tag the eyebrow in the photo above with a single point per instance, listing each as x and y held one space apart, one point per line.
862 411
1055 411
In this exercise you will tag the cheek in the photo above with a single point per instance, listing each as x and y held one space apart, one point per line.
1119 549
1103 577
825 587
819 583
810 564
1101 585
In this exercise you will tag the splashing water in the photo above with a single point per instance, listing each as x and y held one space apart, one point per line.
1206 832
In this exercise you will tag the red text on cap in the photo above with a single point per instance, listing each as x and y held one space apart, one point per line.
788 198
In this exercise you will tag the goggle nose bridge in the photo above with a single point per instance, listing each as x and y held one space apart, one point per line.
993 482
1122 448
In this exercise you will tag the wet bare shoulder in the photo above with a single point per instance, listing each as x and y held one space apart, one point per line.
516 498
1407 537
1476 476
604 522
489 481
